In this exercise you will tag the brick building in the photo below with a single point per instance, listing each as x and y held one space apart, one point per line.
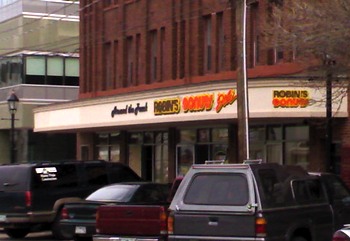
158 91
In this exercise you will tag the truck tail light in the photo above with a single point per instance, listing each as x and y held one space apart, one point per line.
340 236
28 198
163 220
64 213
260 226
170 224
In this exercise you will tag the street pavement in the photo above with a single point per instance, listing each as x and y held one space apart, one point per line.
42 236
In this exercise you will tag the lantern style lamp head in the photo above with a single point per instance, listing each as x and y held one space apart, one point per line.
12 102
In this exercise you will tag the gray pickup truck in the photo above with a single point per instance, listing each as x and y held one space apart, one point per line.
261 202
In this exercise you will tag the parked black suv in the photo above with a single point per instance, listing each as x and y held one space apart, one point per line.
261 202
32 195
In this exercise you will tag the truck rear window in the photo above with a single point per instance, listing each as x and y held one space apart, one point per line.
218 189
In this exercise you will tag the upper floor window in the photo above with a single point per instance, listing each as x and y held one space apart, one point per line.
153 55
130 61
220 40
49 70
207 43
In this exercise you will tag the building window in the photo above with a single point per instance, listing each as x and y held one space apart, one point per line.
35 70
153 55
11 69
107 81
129 61
200 145
71 71
220 40
280 144
162 52
137 61
207 43
254 43
148 155
108 146
182 59
116 66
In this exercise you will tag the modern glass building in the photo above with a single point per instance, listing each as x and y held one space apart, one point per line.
39 62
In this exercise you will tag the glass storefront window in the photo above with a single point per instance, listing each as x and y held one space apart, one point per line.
274 133
135 157
135 138
102 139
220 135
297 133
185 158
161 164
219 152
203 135
257 134
296 153
103 153
282 144
148 137
108 146
188 136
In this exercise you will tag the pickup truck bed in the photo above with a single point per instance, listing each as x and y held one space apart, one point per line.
134 222
130 221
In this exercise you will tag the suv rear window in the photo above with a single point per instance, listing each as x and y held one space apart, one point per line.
218 189
13 178
60 176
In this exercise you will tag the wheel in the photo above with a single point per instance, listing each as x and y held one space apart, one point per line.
16 232
56 229
299 239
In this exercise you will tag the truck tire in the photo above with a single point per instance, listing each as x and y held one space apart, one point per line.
16 232
299 239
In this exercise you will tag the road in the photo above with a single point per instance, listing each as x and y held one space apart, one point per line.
42 236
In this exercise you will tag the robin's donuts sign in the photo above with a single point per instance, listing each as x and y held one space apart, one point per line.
290 98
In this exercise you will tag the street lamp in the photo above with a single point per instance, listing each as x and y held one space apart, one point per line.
12 102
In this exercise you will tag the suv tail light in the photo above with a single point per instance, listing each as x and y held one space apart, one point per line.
340 236
260 226
170 224
64 213
28 198
163 221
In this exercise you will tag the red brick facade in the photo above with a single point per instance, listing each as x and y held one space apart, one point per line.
179 27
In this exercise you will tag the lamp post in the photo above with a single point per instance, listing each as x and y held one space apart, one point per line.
12 102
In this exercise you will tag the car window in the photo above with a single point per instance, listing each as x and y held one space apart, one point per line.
336 187
151 194
14 178
218 189
114 193
308 191
56 176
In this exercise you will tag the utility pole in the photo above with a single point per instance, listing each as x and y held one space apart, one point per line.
242 86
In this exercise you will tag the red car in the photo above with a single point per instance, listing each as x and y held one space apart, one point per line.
342 234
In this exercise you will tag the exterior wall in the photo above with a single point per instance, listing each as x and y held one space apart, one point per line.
179 26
